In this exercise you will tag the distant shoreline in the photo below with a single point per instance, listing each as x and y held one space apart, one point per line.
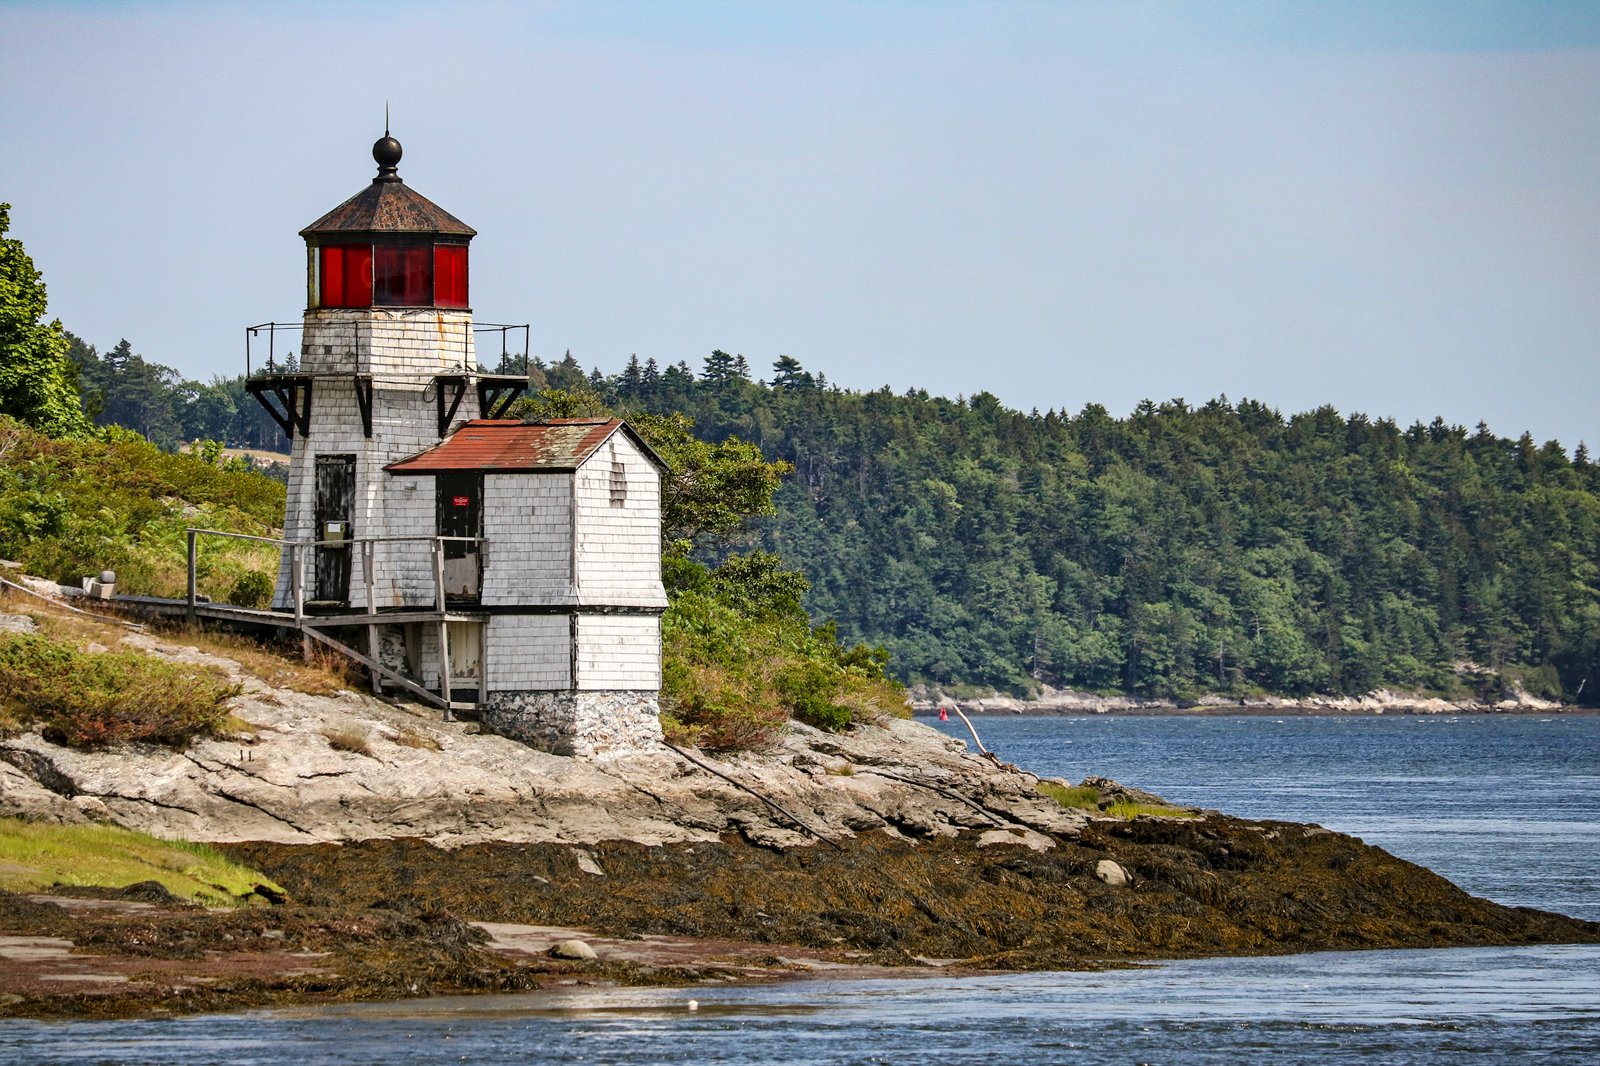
1028 709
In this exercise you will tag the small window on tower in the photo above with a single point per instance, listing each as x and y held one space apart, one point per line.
619 480
450 275
402 275
345 274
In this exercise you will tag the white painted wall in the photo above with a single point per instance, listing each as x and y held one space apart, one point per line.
619 651
402 350
527 522
528 653
619 544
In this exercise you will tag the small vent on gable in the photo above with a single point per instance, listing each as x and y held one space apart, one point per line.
619 480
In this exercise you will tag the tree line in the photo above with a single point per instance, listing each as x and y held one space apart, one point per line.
123 388
1178 551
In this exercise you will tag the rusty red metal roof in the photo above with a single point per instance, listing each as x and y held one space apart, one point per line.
389 205
511 445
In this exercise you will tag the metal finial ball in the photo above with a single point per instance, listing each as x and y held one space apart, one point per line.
386 152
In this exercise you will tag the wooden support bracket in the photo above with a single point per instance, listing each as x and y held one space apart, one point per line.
453 386
293 395
388 674
363 384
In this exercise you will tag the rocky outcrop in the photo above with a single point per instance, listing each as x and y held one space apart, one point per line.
313 769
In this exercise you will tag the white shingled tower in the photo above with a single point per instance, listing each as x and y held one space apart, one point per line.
512 571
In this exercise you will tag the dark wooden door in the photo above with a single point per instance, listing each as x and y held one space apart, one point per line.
336 494
460 502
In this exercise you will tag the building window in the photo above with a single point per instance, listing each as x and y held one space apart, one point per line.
450 275
345 275
402 275
420 274
619 481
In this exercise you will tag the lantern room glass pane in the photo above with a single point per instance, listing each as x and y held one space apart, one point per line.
450 275
403 274
346 275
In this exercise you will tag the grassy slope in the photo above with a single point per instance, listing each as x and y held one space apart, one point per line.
69 508
38 857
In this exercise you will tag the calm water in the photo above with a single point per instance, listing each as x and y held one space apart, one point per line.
1508 807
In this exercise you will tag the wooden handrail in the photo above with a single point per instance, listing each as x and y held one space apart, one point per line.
283 543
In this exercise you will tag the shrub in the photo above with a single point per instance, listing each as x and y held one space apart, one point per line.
741 659
253 588
115 501
98 700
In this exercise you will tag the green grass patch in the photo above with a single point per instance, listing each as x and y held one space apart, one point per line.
95 700
35 858
1075 797
1133 810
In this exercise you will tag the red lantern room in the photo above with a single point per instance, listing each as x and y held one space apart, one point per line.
387 246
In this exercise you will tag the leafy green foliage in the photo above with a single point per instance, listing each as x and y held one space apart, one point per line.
38 383
712 490
101 699
115 501
741 658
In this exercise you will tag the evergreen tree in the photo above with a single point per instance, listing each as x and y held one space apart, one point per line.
720 370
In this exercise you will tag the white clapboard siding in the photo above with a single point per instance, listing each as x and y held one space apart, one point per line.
529 653
619 540
527 522
619 651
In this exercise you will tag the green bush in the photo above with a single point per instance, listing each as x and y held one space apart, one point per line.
741 659
254 588
96 700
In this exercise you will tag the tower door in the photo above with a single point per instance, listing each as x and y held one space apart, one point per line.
336 494
460 499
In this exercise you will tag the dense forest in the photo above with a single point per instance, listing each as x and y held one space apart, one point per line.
1181 550
1178 551
122 388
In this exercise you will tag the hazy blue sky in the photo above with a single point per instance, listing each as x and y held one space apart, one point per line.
1393 208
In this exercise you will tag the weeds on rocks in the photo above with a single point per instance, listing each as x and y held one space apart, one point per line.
351 740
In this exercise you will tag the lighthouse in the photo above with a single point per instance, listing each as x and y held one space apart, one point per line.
502 569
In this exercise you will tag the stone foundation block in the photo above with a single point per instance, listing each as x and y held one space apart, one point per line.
583 724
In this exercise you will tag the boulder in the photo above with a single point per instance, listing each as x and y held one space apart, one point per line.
1113 873
572 949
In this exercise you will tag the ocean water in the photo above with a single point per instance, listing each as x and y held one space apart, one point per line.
1508 807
